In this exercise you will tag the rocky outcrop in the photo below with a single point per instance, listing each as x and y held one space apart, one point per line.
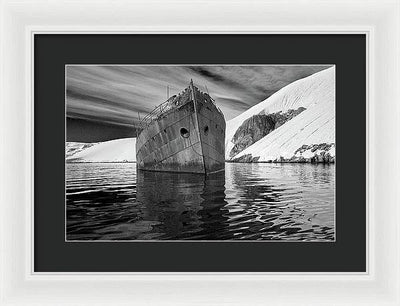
72 148
315 153
247 158
258 126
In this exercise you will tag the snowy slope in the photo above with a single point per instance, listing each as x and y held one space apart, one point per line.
118 150
313 126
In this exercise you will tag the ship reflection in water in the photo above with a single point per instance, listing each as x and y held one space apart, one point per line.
247 202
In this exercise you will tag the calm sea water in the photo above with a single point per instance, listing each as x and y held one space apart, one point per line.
112 201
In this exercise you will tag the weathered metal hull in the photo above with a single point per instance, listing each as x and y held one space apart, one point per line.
189 138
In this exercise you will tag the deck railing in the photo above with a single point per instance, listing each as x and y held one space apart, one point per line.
155 113
162 108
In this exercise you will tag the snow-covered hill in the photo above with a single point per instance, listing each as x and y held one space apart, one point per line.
118 150
314 127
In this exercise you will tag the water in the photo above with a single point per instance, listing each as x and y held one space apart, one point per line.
290 202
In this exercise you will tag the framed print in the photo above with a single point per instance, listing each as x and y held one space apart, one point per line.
155 154
238 159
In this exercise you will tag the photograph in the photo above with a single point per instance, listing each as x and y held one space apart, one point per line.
154 150
200 153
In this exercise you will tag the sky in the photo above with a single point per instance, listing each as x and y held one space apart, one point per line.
103 102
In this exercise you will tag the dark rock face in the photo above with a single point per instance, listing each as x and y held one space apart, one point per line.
314 147
247 158
258 126
70 150
321 157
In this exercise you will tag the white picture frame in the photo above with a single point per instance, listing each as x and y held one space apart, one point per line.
379 20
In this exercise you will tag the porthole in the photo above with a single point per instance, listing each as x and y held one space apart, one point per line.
206 130
184 133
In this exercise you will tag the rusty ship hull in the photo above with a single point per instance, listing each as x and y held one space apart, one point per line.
186 134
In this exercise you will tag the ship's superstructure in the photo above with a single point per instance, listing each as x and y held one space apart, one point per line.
186 133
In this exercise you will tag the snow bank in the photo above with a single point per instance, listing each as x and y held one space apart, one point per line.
118 150
315 125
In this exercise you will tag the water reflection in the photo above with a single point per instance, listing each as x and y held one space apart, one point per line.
248 201
184 205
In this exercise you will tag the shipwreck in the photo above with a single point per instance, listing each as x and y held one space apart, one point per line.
186 133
